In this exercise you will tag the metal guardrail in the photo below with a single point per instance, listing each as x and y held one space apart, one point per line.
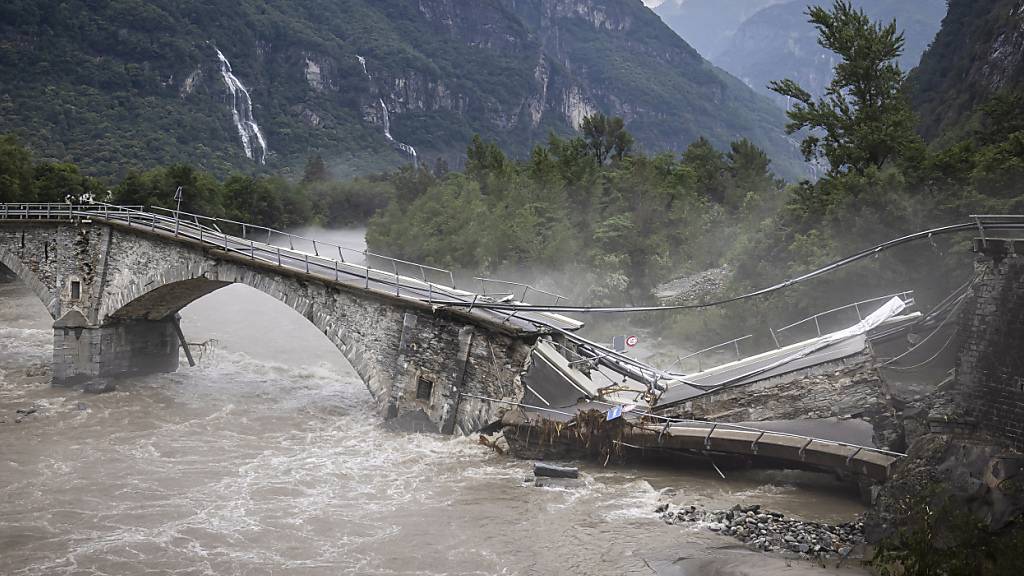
907 297
700 368
981 225
313 242
135 216
526 289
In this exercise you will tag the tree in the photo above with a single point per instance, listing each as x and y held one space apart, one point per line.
708 166
316 170
606 137
863 119
15 171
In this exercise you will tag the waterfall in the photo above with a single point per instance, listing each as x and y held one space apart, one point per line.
241 112
387 134
387 121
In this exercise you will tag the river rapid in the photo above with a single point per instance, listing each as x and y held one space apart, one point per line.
268 458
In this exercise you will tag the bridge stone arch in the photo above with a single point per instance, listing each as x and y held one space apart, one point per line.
23 273
346 320
129 285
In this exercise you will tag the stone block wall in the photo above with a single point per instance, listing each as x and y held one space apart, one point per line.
142 347
990 370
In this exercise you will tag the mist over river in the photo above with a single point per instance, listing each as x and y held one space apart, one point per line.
268 458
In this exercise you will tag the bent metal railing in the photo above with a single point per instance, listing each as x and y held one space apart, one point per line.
136 216
907 297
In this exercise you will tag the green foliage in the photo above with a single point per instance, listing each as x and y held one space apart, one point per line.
22 180
607 137
598 230
863 120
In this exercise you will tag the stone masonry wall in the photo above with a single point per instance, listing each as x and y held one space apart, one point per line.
398 347
853 389
990 370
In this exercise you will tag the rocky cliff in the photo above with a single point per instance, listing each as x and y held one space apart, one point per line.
367 84
978 53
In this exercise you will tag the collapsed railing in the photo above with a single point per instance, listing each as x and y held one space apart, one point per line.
907 297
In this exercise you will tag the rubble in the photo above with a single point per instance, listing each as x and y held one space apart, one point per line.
767 531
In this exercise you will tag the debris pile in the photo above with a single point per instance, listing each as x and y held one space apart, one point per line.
772 531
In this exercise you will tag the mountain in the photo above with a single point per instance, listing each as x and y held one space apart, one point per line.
778 42
708 25
978 53
367 84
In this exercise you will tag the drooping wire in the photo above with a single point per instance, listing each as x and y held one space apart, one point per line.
955 228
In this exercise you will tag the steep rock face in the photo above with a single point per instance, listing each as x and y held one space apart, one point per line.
978 53
115 86
778 42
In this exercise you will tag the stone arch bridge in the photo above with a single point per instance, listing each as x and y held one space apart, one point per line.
114 279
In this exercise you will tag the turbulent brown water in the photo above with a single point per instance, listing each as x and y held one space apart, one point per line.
268 459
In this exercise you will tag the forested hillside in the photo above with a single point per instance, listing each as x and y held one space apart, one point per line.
116 85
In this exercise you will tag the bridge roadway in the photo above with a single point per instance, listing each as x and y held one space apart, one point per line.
321 267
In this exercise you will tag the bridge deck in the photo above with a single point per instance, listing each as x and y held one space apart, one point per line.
326 269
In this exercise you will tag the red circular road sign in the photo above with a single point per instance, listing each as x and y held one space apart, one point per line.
632 341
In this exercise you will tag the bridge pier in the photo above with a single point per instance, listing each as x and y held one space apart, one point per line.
82 352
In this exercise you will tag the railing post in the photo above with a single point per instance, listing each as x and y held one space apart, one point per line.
857 308
315 251
430 293
774 337
981 230
737 344
278 255
340 255
398 283
335 270
306 258
252 250
817 326
525 290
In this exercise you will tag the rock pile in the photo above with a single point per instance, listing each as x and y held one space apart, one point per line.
772 531
694 288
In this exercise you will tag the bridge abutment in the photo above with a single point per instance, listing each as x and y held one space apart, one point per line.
82 352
